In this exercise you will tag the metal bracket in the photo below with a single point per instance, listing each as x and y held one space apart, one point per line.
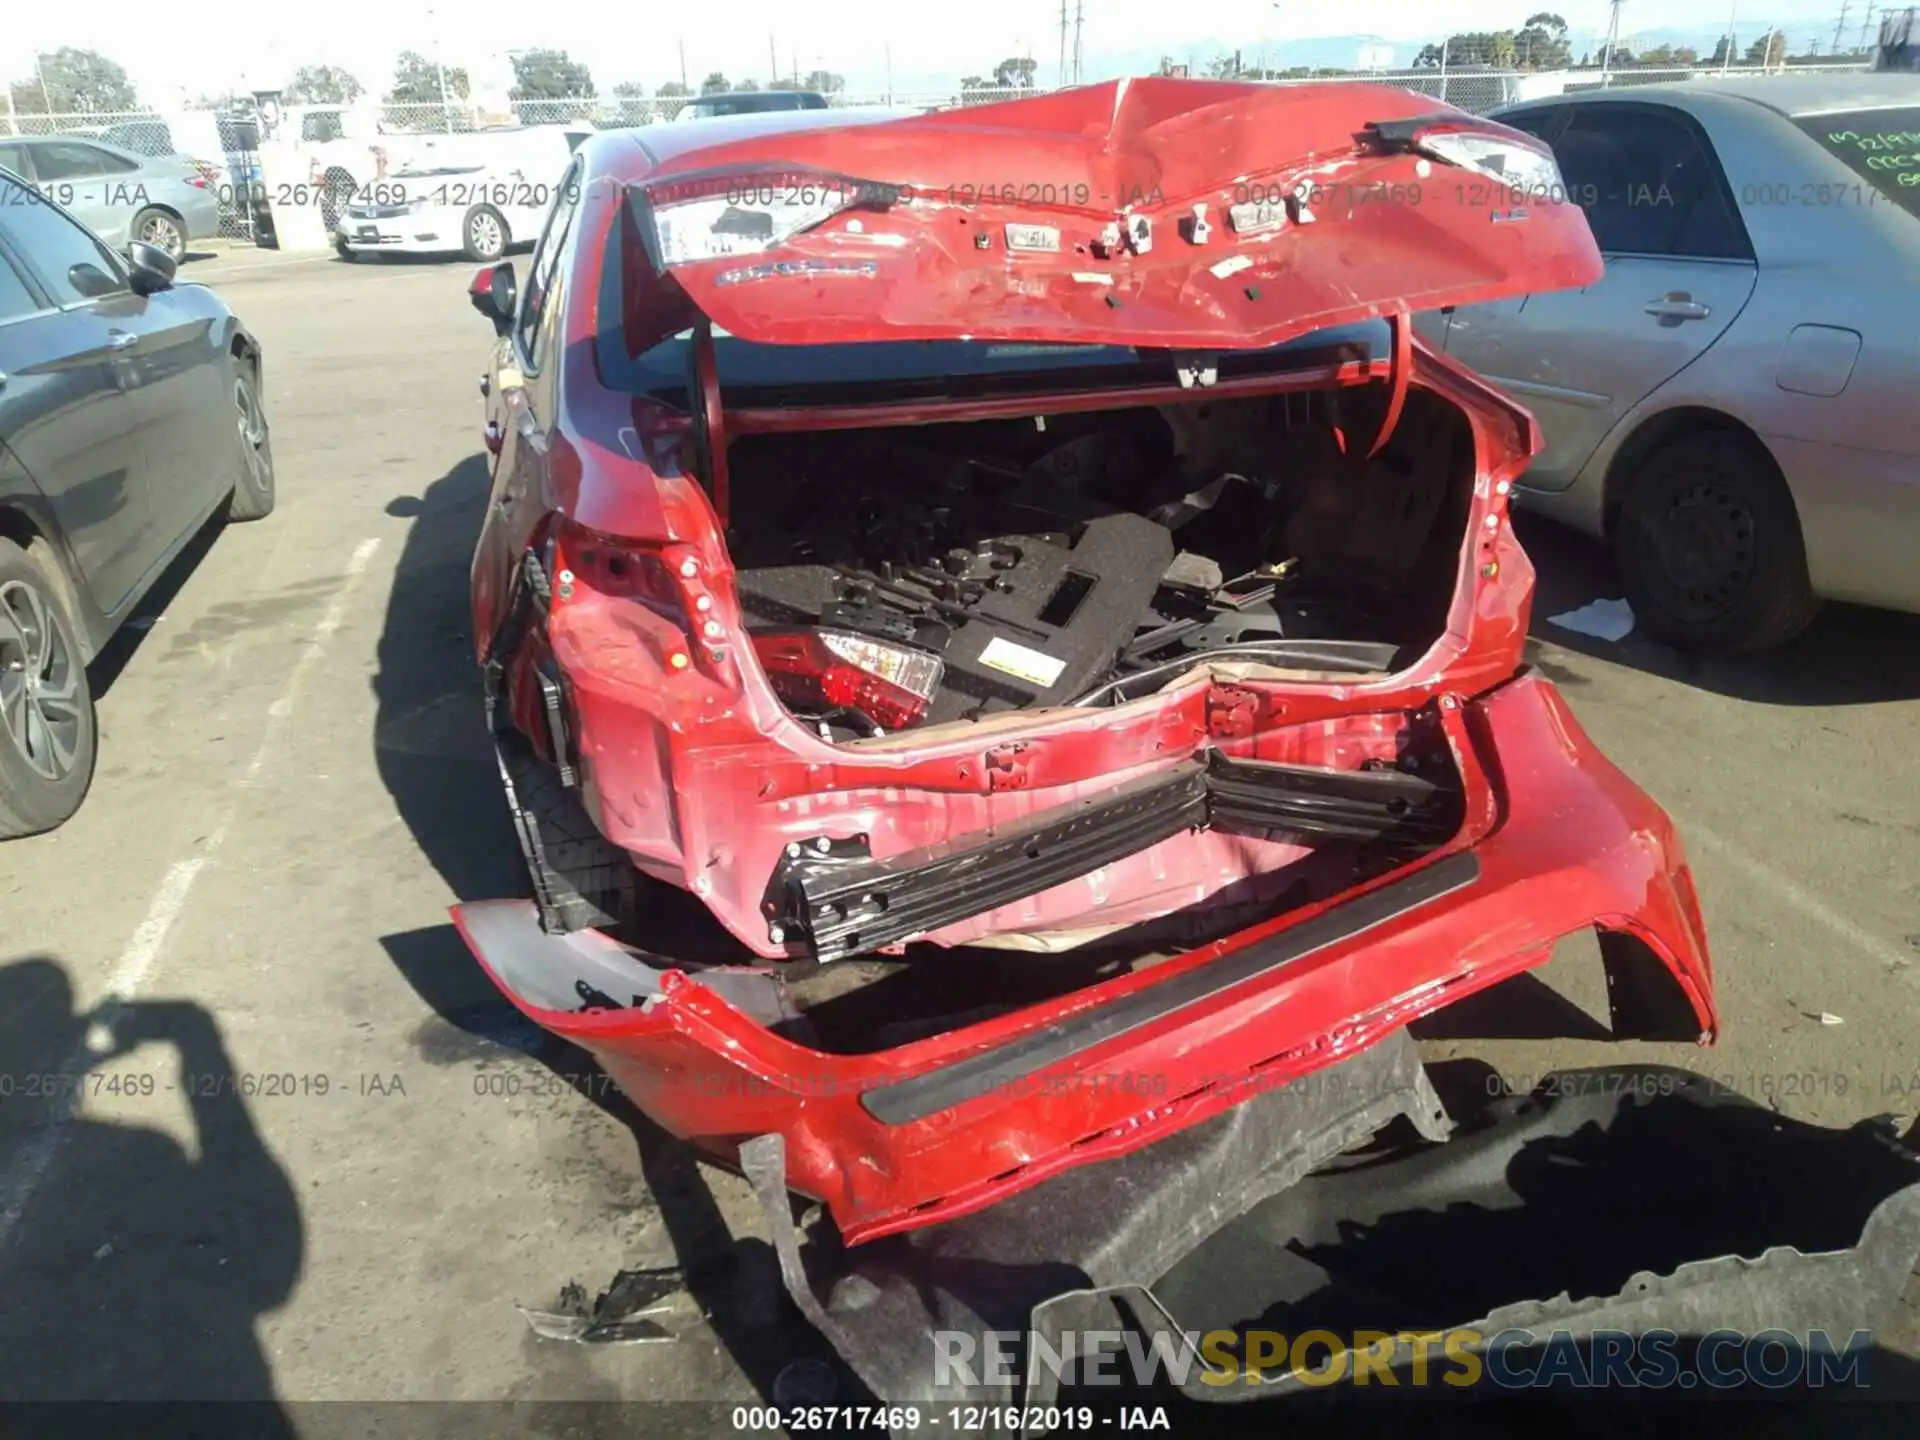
1196 371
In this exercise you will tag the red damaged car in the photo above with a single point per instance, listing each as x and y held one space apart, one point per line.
1014 577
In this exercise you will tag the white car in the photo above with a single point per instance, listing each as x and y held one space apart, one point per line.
445 209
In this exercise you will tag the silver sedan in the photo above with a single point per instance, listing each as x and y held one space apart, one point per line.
1734 404
117 194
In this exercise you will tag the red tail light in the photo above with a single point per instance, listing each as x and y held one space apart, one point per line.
199 182
838 670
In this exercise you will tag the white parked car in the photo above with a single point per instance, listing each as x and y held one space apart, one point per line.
437 208
475 194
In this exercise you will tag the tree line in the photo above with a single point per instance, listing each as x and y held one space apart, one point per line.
76 81
1541 43
73 80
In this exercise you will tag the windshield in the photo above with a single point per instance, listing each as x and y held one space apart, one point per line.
1882 147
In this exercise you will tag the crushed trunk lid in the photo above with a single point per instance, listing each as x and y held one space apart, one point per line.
1159 213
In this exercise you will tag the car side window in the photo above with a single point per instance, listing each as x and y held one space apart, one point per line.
14 158
545 263
55 248
16 300
1543 123
1649 183
69 160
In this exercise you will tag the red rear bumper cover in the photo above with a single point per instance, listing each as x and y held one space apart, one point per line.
1575 844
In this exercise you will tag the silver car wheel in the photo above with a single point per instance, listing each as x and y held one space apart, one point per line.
485 234
41 709
163 232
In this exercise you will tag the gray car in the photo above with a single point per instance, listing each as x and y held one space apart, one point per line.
1733 404
129 416
159 200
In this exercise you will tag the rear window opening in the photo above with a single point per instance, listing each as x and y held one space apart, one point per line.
926 574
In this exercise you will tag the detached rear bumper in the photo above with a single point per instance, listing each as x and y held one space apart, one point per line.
944 1126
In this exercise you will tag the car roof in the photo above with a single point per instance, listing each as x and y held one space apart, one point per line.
36 141
662 143
1812 93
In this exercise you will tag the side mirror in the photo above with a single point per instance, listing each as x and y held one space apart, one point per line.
91 281
495 294
151 268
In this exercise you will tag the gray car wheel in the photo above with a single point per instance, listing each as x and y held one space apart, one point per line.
156 227
47 728
253 492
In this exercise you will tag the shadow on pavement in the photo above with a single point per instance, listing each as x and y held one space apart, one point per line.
124 643
137 1268
1850 655
430 740
437 763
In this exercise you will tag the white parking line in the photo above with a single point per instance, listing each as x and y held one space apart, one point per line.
204 270
149 940
1773 882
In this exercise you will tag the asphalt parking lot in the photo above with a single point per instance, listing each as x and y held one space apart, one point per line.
326 1163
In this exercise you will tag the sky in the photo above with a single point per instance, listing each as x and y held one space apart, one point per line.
258 46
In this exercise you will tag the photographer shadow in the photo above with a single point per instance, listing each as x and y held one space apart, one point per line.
134 1267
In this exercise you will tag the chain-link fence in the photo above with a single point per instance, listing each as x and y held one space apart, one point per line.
226 145
223 146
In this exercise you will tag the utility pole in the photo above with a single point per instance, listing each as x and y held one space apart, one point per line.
683 64
889 51
1839 25
1733 37
1613 42
1866 27
1060 75
773 65
1078 11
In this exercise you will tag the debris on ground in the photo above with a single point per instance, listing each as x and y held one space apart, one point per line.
1602 619
616 1318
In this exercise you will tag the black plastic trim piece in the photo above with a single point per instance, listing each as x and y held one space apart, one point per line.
833 899
919 1096
1369 806
553 701
843 903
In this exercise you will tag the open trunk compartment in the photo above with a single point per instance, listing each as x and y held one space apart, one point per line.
962 569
